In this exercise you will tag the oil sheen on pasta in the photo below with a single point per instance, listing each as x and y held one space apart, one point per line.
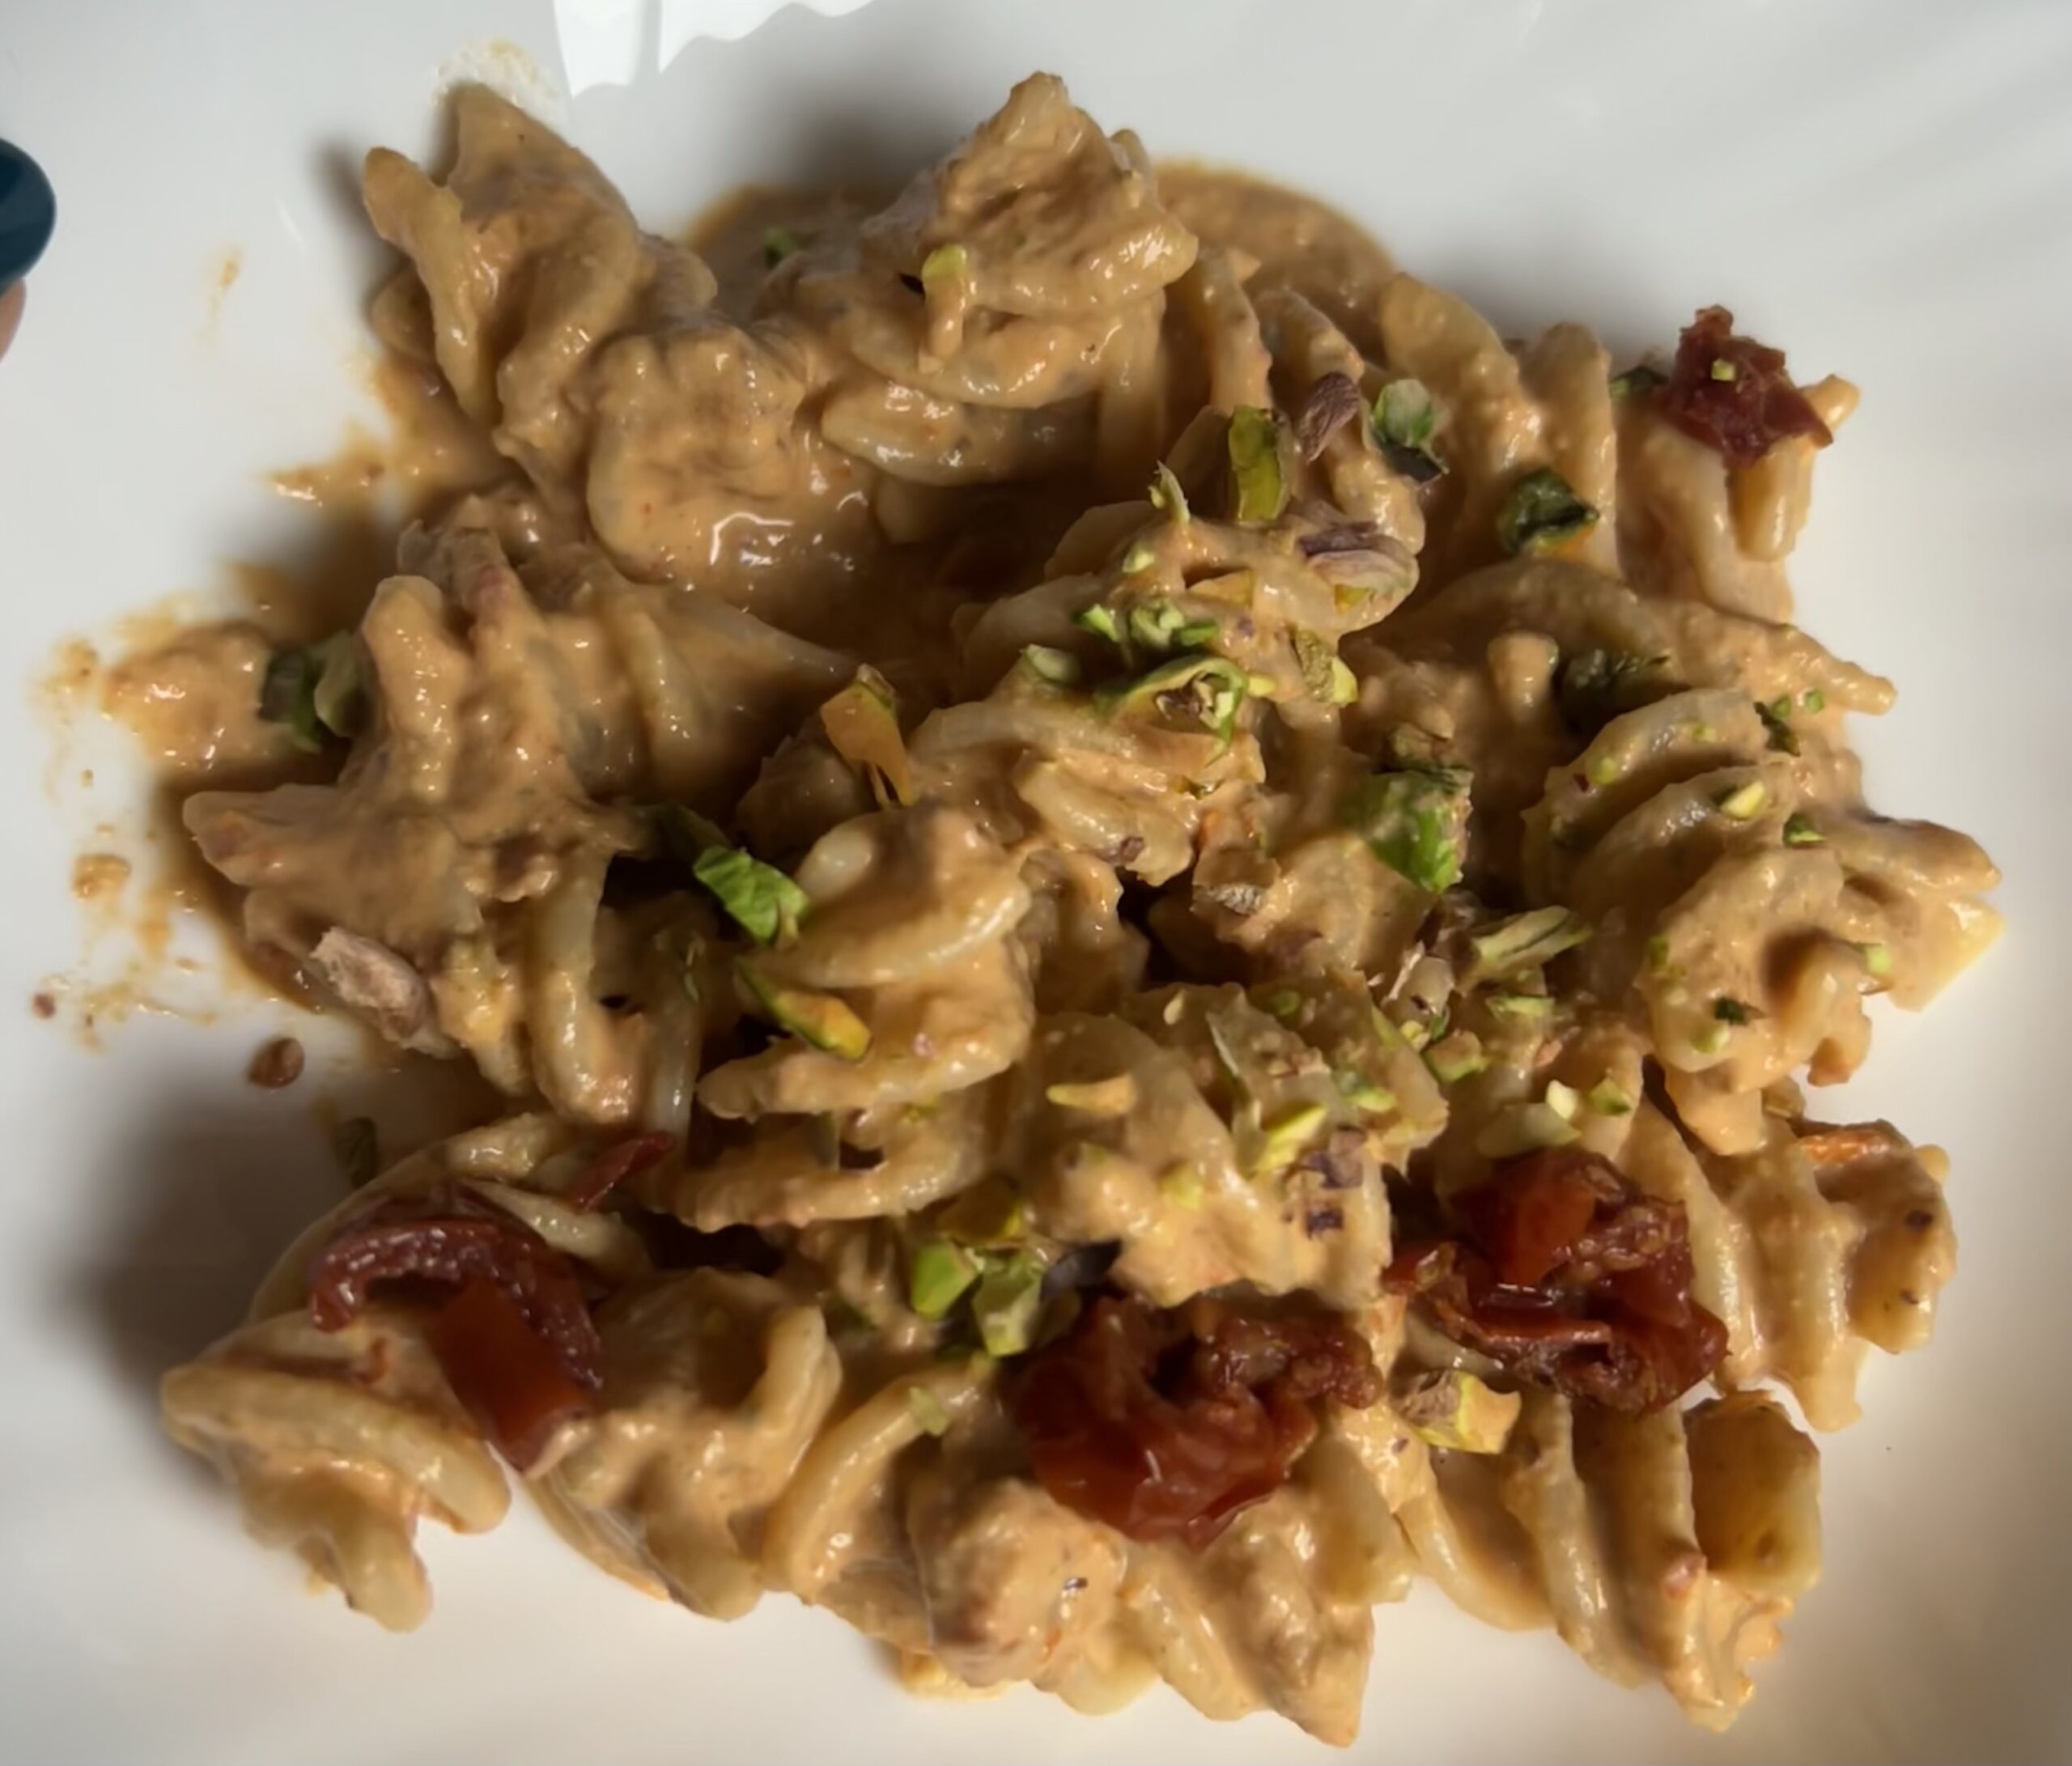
1197 886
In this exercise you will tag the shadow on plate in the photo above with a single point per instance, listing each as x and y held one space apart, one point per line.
217 1179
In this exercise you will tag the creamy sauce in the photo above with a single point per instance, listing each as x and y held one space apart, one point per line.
1174 901
1297 242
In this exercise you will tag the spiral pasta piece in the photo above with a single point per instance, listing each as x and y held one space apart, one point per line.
1668 1545
337 1443
912 922
1819 1244
716 1385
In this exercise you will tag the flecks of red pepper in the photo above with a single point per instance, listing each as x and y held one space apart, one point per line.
615 1165
1166 1424
1569 1277
449 1239
1743 407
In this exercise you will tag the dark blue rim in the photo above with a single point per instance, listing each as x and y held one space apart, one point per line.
28 214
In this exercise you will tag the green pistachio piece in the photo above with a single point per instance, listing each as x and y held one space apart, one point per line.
766 904
1256 471
938 1275
1415 823
1523 941
1541 513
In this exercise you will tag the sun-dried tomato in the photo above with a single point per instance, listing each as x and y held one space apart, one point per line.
1166 1424
1569 1277
446 1240
1733 393
613 1166
505 1374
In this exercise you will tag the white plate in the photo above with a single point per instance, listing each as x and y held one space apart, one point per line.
1886 188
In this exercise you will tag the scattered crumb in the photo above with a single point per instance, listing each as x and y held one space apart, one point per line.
71 673
44 1005
277 1063
228 268
96 876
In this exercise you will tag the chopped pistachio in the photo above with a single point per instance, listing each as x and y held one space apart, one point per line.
938 1275
825 1021
1878 959
1140 557
1176 1008
1608 1097
1605 769
1780 707
1415 823
1115 1095
1723 370
1523 941
1405 414
1167 496
779 243
1799 831
1318 660
1405 419
289 695
1731 1011
1813 699
862 722
1345 685
1637 379
1743 803
1421 1032
1542 513
1453 1409
1183 1186
1005 1304
945 263
1455 1057
1362 1092
1593 686
1195 633
1155 623
1524 1128
1520 1007
339 696
1100 620
1782 737
1255 467
1226 1052
1565 1101
1386 1031
1201 689
1658 962
1284 1137
1059 668
991 1215
766 904
929 1412
1710 1038
1282 1003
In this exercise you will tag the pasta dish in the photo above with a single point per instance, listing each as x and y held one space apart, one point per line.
1150 911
